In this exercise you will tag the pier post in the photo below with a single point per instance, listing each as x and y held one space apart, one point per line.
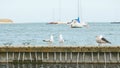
118 57
23 56
13 55
7 56
105 59
42 56
83 56
78 55
47 55
18 56
36 56
78 58
30 57
110 57
92 59
60 56
98 56
83 59
71 56
55 56
92 56
65 56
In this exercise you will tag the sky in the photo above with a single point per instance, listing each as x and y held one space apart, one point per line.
21 11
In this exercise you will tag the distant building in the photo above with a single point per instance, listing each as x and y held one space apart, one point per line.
5 21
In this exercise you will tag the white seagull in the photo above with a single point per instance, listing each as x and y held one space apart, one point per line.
61 40
101 40
50 41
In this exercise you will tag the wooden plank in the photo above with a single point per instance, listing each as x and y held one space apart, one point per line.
60 49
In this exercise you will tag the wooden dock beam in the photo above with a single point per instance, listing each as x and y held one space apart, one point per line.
79 55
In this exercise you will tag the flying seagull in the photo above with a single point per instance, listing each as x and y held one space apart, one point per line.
101 40
50 41
61 40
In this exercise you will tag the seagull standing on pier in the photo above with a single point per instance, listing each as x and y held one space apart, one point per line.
50 41
61 40
101 40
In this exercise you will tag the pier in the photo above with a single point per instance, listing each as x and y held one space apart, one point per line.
79 55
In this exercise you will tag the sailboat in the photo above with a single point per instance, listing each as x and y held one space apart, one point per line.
59 21
76 23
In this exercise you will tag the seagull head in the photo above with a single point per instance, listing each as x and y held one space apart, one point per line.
60 35
99 36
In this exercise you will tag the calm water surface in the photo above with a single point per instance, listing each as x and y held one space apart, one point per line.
34 33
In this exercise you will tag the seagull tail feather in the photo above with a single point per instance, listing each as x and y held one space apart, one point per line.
44 40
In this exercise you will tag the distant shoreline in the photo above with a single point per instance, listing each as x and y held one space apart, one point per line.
5 21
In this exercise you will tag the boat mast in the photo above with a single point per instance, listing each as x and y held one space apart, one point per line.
53 14
59 10
79 9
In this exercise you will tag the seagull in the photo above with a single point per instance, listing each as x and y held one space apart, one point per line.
61 40
50 41
26 43
101 40
7 44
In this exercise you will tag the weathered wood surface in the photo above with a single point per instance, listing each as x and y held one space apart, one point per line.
61 49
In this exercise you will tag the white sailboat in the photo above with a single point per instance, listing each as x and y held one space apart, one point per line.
77 23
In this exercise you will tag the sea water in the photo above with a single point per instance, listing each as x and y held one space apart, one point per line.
35 33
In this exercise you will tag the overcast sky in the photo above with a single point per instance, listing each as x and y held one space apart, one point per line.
54 10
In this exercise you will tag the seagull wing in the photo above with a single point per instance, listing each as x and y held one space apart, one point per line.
46 40
105 40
